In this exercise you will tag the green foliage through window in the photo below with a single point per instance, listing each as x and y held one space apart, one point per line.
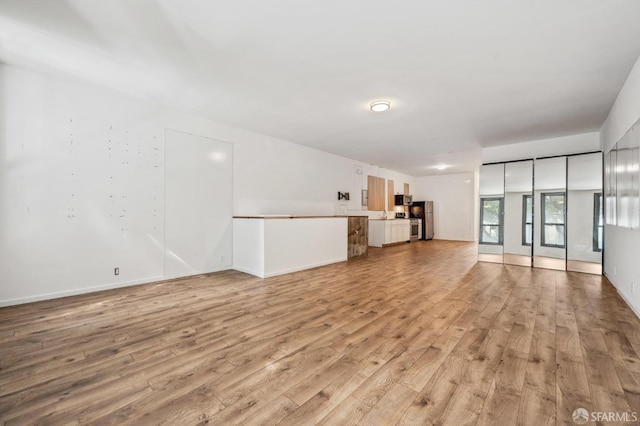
553 219
491 223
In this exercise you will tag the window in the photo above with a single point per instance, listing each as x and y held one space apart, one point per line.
553 219
491 220
527 220
598 222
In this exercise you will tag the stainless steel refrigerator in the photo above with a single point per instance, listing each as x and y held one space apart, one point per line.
423 210
427 225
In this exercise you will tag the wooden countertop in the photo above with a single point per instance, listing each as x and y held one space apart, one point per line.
290 217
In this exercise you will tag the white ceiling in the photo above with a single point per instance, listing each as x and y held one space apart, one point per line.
460 74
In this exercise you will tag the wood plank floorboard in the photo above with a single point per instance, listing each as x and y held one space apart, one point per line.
411 334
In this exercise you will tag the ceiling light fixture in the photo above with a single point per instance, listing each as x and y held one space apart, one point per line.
441 166
379 106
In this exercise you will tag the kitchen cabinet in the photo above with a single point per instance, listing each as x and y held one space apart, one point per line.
375 188
390 198
386 232
400 231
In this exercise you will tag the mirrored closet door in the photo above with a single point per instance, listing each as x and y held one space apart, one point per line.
518 213
627 186
491 237
549 213
585 213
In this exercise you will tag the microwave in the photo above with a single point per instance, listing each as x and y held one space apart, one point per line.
403 200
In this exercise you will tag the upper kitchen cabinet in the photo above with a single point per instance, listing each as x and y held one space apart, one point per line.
376 190
390 195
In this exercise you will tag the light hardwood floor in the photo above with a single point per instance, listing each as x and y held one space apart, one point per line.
412 334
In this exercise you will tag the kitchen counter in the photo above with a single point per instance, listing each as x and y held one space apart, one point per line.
384 232
265 247
283 216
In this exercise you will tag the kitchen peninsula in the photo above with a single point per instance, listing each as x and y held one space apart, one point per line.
266 246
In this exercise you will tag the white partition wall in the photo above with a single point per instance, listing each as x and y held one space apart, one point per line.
198 204
272 245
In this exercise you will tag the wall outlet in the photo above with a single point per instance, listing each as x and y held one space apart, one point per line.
632 287
615 270
116 271
221 258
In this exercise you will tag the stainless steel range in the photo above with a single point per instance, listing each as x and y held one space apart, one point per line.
415 229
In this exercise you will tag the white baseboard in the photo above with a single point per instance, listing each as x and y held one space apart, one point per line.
248 271
110 286
75 292
629 304
302 268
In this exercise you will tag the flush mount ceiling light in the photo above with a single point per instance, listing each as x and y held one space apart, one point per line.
441 166
379 106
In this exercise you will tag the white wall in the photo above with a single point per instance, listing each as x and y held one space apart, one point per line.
82 184
625 111
198 204
274 176
623 245
83 192
453 204
565 145
81 188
